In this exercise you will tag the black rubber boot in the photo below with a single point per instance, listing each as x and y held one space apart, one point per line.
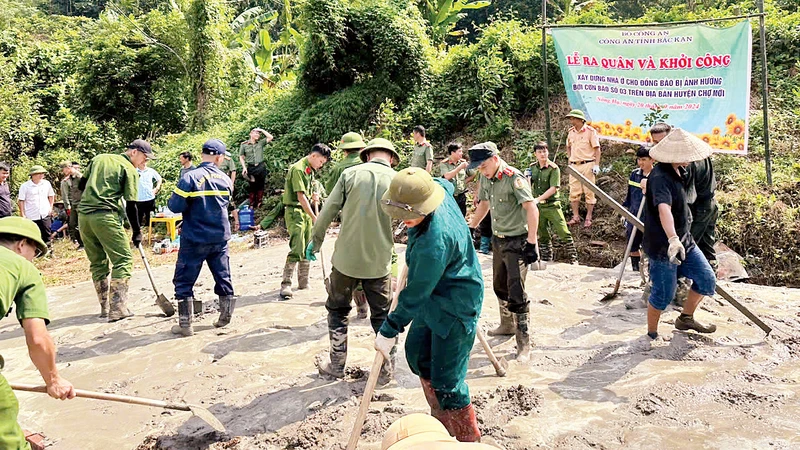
184 326
523 337
227 303
635 260
506 327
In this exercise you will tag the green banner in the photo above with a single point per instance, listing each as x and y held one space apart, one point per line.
694 77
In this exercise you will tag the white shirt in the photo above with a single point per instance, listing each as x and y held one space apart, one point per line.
35 196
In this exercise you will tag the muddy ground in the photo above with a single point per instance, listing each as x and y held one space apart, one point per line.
592 381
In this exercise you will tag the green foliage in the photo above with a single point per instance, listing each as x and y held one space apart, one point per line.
443 15
655 116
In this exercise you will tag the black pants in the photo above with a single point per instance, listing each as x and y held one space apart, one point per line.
704 227
44 225
143 209
461 200
509 272
74 232
256 187
485 226
378 292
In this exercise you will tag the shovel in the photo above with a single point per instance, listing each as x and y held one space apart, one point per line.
539 264
614 293
161 300
197 411
325 277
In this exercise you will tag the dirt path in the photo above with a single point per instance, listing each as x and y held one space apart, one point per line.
592 382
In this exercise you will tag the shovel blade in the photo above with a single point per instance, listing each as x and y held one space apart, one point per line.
165 305
206 416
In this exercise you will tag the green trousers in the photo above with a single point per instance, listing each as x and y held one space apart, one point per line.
299 225
11 435
105 241
443 361
552 218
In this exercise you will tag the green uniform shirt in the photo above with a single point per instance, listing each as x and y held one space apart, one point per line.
352 159
21 286
364 246
544 179
70 193
421 155
458 181
228 165
298 179
253 153
506 192
109 178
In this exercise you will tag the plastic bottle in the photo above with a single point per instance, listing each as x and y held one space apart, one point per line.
245 219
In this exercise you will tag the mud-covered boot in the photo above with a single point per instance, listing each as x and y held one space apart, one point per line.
635 260
303 267
361 303
546 252
572 252
286 283
101 287
486 245
461 423
197 307
227 303
523 338
506 327
682 292
687 322
118 300
184 326
338 353
430 397
387 369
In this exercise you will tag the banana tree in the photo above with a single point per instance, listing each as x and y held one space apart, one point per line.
566 8
442 15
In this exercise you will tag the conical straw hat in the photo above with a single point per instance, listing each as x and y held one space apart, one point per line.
680 146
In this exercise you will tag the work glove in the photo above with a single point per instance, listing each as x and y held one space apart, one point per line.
529 253
137 238
384 345
676 251
596 169
476 237
310 252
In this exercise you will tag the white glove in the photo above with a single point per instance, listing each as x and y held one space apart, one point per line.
384 344
595 169
676 251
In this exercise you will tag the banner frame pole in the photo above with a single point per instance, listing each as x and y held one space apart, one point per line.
652 24
548 126
764 92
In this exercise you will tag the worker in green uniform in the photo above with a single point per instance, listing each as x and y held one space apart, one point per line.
251 156
454 169
22 288
363 251
351 144
442 299
108 179
299 216
422 153
515 221
545 177
72 198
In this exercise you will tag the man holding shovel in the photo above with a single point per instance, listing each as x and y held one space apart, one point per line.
363 251
636 183
442 299
202 196
667 238
21 287
108 179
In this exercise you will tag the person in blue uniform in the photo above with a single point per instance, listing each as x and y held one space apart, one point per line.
442 300
202 196
636 185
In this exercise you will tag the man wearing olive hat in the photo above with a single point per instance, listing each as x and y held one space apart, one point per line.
363 250
515 221
667 238
22 288
36 197
202 196
442 298
108 179
583 152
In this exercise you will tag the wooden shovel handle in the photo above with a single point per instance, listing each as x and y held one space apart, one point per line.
103 396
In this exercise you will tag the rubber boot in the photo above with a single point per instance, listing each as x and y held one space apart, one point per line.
546 252
387 369
572 252
486 245
184 326
461 423
635 263
687 322
286 283
523 338
682 291
430 397
303 267
102 295
118 299
197 307
338 353
506 327
227 303
361 303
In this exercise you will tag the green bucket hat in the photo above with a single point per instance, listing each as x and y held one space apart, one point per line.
22 227
578 114
379 144
37 169
351 141
412 194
